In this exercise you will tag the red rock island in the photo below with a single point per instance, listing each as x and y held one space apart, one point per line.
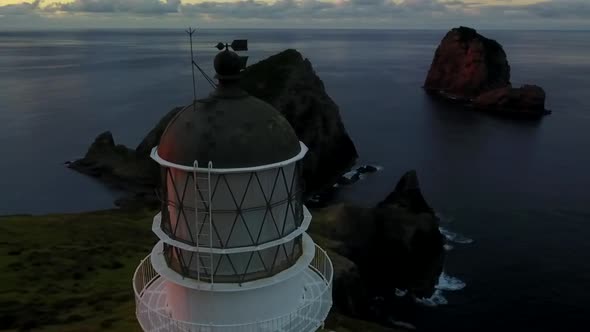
472 69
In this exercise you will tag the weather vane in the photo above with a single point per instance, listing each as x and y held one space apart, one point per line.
237 45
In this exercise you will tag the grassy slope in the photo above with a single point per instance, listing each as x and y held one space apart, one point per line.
65 273
71 272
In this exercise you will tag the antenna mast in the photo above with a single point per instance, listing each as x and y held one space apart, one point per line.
190 33
209 80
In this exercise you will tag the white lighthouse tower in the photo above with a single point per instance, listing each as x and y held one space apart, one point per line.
233 253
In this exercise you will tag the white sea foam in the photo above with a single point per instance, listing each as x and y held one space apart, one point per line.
349 175
401 292
448 283
315 199
434 301
445 283
404 325
454 237
448 247
355 172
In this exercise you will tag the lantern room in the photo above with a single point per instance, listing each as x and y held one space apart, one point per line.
233 254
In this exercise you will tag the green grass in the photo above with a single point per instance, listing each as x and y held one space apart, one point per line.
71 272
340 323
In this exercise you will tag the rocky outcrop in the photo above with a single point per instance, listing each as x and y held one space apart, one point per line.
286 81
116 164
407 195
376 250
466 64
472 69
528 99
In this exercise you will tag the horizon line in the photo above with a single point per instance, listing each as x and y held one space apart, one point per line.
54 29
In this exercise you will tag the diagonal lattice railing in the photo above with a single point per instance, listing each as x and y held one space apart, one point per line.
289 205
306 318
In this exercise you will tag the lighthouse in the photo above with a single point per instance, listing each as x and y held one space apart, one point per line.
233 253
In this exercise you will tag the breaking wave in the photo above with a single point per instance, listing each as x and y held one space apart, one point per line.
359 173
454 237
445 283
448 283
434 301
403 325
349 174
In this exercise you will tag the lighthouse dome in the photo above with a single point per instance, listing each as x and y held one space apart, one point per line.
229 128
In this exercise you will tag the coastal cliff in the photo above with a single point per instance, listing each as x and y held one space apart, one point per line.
395 245
288 82
474 70
86 261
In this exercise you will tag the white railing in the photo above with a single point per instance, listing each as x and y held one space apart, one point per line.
307 317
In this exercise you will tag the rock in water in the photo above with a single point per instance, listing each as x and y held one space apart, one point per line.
528 99
103 142
472 69
367 169
118 166
394 245
466 64
286 81
407 195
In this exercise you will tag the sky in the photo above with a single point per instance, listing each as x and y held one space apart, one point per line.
385 14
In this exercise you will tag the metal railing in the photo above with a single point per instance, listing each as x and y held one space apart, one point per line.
307 317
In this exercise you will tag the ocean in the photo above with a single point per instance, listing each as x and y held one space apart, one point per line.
514 196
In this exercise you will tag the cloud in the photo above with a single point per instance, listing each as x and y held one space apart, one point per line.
542 11
309 13
312 9
20 8
561 9
253 9
368 2
239 9
118 6
423 5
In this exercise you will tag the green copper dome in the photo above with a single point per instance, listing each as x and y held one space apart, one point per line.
231 129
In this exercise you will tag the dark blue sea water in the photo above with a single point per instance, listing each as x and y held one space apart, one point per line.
520 190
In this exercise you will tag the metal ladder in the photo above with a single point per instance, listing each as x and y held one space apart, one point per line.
204 227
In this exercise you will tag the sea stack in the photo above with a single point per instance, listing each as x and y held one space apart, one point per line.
472 69
466 64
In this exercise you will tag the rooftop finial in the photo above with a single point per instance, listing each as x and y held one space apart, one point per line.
229 64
